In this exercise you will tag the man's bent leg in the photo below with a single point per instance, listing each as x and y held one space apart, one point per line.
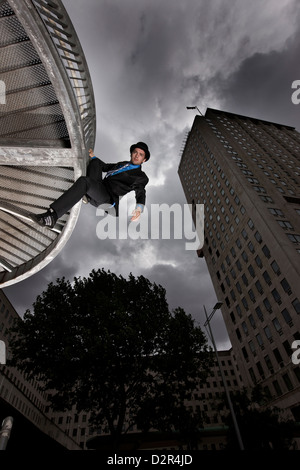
62 204
90 185
94 170
67 200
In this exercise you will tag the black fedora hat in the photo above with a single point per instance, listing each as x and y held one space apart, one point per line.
142 146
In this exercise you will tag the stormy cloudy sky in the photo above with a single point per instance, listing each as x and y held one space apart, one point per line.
149 59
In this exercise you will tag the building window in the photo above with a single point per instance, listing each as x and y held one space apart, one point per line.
245 280
239 265
294 238
266 251
259 340
267 278
238 334
252 375
244 234
251 295
277 388
232 250
232 318
259 287
259 313
296 305
238 243
258 262
268 333
266 199
251 270
277 212
260 370
269 363
251 247
250 224
285 224
252 321
259 189
245 354
233 273
245 328
275 268
278 356
252 347
287 346
258 237
267 305
287 382
277 325
286 287
287 317
276 296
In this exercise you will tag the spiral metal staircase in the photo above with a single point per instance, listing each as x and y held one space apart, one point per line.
47 125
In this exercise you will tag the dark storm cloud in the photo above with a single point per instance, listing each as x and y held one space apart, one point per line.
262 86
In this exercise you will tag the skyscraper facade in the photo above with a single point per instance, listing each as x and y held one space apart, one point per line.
246 172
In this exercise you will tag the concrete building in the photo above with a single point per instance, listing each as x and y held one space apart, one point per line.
246 172
21 398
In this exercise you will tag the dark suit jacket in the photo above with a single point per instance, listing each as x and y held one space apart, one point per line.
122 183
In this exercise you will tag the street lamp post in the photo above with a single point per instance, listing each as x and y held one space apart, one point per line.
195 107
235 423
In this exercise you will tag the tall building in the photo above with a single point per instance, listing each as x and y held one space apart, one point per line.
246 172
22 399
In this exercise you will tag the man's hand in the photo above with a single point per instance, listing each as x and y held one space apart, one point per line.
136 214
91 153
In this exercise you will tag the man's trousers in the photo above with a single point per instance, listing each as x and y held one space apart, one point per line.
90 185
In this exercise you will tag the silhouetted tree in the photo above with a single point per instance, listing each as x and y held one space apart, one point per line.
262 427
110 346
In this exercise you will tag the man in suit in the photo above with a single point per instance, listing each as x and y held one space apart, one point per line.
120 179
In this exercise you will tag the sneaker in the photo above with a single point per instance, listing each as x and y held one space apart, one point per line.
47 219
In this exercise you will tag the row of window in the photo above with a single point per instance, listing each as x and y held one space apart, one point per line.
294 238
247 146
275 139
281 386
16 401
